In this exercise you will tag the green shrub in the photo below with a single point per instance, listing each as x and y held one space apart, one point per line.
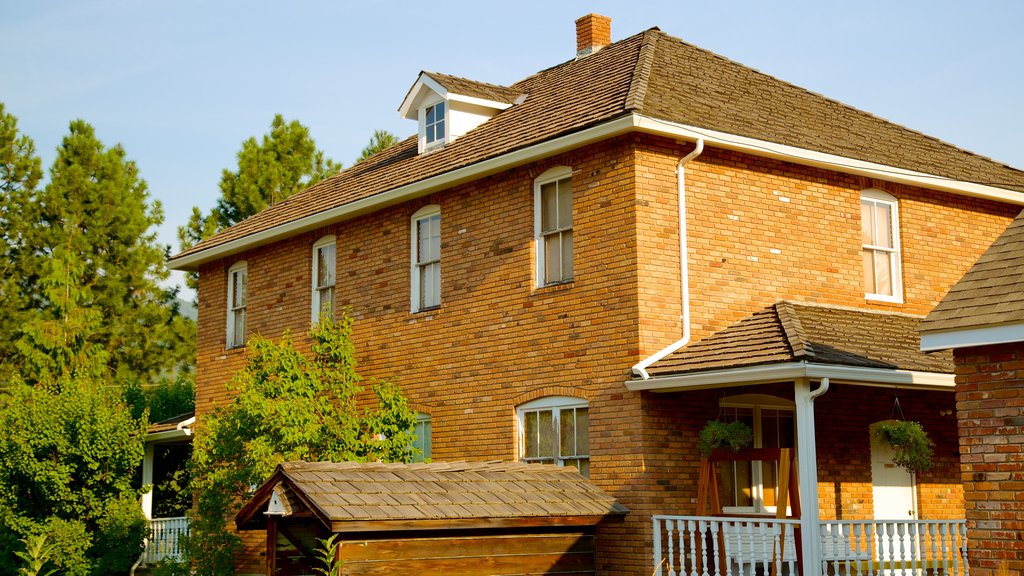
117 543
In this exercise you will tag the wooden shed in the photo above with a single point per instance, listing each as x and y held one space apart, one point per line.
460 519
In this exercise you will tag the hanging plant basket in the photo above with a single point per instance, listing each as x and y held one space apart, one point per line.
717 434
914 449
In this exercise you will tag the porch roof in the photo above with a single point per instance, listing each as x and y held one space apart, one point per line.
795 335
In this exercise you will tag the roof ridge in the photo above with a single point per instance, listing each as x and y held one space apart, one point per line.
575 60
642 71
854 309
793 330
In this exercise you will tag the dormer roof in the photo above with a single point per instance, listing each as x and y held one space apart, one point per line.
455 89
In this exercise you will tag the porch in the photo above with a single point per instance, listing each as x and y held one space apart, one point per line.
164 540
713 546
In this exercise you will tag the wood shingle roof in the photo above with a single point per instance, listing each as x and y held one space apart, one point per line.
655 75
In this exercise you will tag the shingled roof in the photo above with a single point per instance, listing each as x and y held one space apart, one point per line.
992 291
352 496
655 75
467 87
791 332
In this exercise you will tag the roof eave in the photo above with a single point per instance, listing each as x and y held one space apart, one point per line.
969 337
787 371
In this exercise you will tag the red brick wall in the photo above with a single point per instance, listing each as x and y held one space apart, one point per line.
497 341
990 410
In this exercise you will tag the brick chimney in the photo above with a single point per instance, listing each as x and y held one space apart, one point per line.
593 32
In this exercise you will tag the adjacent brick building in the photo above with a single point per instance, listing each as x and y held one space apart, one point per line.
522 267
982 320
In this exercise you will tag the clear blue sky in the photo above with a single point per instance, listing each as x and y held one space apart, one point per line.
180 83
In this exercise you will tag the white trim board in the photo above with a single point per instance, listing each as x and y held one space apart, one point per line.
970 337
788 371
628 123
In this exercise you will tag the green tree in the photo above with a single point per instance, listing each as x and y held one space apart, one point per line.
284 162
70 449
379 142
286 407
86 271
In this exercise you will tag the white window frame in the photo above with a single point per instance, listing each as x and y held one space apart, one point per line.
553 175
423 421
328 240
243 268
438 142
895 253
554 404
415 269
755 403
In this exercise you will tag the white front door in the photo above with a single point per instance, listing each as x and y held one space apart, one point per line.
895 499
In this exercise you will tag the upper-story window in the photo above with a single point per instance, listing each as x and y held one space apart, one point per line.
324 263
879 224
425 287
553 223
238 283
434 124
555 430
751 487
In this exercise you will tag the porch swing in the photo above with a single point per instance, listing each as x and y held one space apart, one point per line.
750 545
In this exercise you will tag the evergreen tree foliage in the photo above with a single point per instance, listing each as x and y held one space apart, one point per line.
85 271
284 162
287 407
379 142
70 449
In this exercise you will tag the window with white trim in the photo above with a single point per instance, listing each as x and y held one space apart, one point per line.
324 277
555 430
879 224
751 487
426 258
238 281
553 224
422 430
434 124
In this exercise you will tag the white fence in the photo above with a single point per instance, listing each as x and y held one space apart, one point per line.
717 546
165 539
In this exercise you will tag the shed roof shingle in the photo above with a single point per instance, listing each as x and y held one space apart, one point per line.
790 332
353 491
659 76
992 291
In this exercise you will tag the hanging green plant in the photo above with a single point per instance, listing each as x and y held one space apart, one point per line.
914 449
717 434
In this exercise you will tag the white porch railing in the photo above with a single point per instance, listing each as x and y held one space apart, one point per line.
165 539
717 546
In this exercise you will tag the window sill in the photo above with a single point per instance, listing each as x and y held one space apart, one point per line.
883 298
554 286
426 310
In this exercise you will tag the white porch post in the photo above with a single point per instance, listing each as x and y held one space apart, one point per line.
147 479
807 475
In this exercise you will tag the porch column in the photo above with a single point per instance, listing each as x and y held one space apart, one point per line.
807 475
147 479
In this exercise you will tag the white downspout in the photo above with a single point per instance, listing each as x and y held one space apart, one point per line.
807 472
640 369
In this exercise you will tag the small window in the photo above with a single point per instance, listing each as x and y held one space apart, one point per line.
423 441
324 263
434 124
238 280
751 487
426 258
555 430
879 224
553 218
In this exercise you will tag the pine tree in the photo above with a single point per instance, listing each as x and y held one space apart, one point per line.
379 142
283 163
89 270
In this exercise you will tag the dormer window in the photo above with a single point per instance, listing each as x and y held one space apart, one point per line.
433 124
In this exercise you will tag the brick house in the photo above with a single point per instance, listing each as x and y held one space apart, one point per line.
586 266
982 320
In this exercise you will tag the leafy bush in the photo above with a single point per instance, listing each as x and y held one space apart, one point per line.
119 534
913 448
718 434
